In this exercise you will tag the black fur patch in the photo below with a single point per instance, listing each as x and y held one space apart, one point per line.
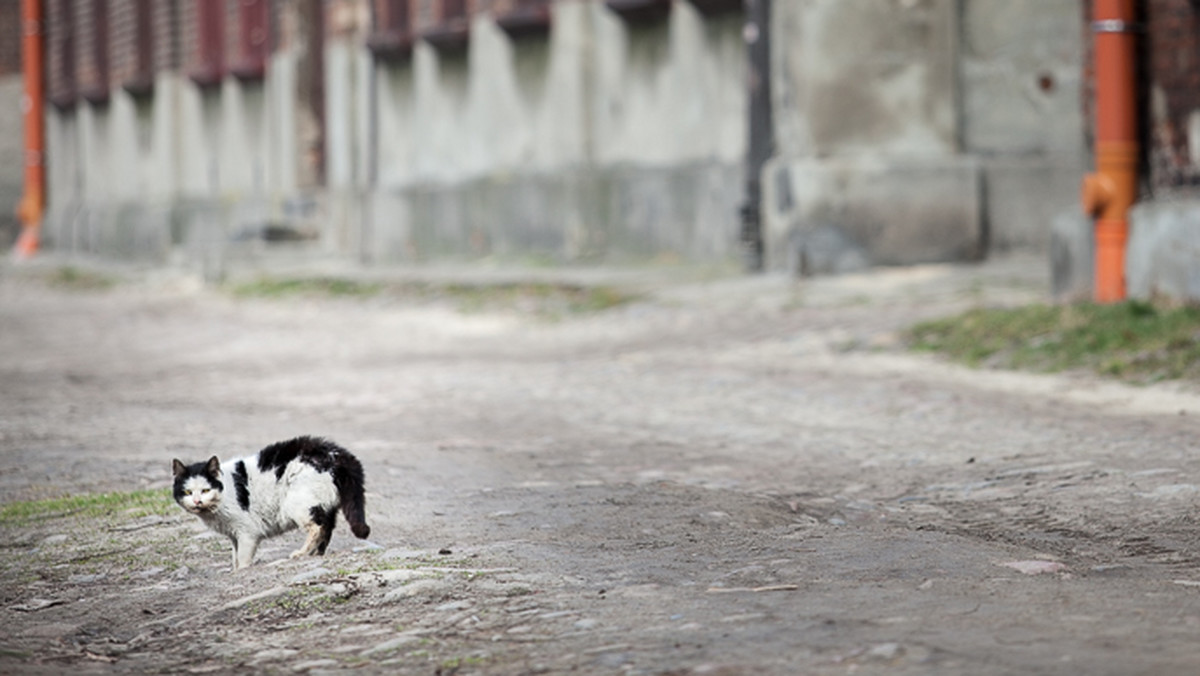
319 516
348 479
324 456
278 455
240 485
321 454
326 520
195 469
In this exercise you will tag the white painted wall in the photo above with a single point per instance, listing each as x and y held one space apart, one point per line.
599 135
600 92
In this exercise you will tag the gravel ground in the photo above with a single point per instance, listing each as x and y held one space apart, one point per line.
731 475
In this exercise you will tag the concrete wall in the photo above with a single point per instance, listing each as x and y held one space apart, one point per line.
11 172
1021 70
608 141
602 140
188 172
197 175
907 131
921 130
1163 256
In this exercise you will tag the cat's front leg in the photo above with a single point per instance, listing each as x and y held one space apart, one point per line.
243 552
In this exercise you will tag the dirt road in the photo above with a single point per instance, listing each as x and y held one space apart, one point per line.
731 476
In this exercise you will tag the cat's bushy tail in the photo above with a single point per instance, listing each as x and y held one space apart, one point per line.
348 479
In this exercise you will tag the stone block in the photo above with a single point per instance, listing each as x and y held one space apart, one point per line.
1072 257
1163 254
895 211
1024 197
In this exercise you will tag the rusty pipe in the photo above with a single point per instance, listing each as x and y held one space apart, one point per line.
33 201
1110 191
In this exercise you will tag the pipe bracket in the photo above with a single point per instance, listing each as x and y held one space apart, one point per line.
1116 26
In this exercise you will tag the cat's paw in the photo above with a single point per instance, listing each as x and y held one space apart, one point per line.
297 554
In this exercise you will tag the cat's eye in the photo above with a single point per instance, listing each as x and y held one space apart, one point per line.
187 492
205 490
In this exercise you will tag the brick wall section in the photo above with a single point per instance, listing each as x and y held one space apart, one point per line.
1172 65
174 37
167 51
188 33
10 38
60 52
435 12
87 74
233 31
122 31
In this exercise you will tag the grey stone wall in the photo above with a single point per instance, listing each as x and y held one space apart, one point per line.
907 131
923 130
12 173
1163 255
605 140
1021 70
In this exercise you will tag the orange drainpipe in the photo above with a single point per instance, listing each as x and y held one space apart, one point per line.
33 202
1111 190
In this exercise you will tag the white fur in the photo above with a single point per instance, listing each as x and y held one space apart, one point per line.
275 506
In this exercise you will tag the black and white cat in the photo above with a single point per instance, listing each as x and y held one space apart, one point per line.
287 485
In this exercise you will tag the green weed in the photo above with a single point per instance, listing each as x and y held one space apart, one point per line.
297 601
314 286
455 663
75 279
546 299
131 504
1134 341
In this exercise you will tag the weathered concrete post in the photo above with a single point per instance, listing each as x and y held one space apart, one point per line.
761 143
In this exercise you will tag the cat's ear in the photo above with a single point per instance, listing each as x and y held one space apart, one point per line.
178 467
214 466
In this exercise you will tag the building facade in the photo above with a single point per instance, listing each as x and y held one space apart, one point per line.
392 131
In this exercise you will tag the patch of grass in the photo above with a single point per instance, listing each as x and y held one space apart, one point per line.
1134 341
266 287
70 277
546 299
453 664
132 504
418 563
297 601
309 599
542 298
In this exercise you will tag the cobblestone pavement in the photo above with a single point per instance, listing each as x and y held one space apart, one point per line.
731 475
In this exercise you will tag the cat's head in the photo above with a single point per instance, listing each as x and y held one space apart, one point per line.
198 487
